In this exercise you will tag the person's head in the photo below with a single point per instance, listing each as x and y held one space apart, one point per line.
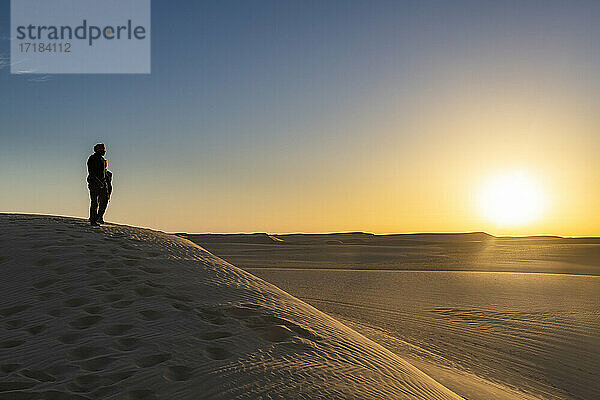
99 148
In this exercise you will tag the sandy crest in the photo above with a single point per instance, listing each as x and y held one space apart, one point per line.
125 313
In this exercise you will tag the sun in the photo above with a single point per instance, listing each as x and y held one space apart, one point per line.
511 199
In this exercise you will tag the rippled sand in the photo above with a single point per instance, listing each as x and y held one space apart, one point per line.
125 313
539 333
484 335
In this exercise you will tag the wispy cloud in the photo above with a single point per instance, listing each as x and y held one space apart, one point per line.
40 78
28 74
6 63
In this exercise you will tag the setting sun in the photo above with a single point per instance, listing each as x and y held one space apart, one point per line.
511 199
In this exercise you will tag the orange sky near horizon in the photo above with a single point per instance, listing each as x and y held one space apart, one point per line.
375 184
481 129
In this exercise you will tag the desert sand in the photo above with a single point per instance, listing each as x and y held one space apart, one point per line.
475 251
119 312
490 318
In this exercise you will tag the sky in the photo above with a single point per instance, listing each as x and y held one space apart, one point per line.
312 116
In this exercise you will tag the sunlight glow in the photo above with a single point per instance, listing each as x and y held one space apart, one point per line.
511 199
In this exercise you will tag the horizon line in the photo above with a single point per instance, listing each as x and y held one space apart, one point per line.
537 235
393 234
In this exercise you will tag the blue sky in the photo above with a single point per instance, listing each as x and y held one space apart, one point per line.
265 115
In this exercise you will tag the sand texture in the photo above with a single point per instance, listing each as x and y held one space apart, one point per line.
489 318
125 313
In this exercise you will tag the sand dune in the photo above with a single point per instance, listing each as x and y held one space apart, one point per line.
435 302
475 251
125 313
536 333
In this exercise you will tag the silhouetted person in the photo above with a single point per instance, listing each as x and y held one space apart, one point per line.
99 183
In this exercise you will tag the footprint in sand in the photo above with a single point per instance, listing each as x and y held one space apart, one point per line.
7 312
177 373
241 312
42 262
45 283
216 353
155 285
151 315
101 287
118 272
9 368
121 304
68 290
93 309
114 282
94 264
9 344
120 376
56 312
211 316
62 270
153 270
89 382
275 333
64 371
37 375
181 307
75 302
181 298
118 329
113 297
127 344
152 360
36 330
126 246
15 324
47 295
70 338
85 322
145 291
98 363
270 327
213 335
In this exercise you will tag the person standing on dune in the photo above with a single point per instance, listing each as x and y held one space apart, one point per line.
99 184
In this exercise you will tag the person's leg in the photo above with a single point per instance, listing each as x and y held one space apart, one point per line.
93 205
103 203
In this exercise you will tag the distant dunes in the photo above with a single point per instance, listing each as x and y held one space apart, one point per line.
473 251
333 238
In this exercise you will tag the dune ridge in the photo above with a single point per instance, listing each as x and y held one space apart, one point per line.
127 313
